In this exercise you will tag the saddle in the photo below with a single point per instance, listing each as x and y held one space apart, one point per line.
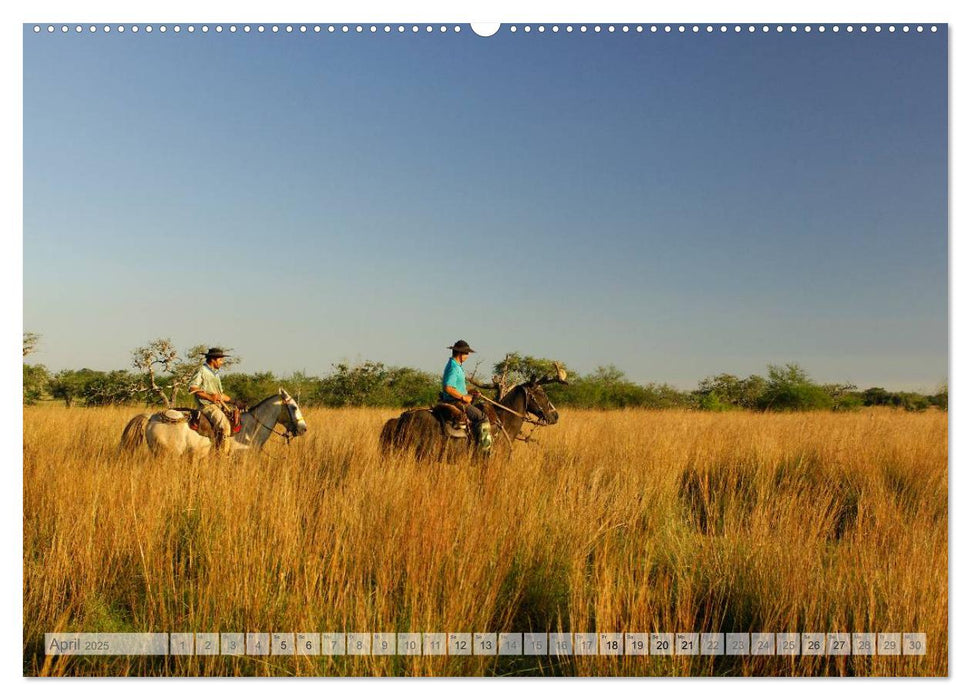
196 419
235 414
454 422
171 416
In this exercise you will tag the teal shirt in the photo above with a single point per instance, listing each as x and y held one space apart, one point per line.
454 376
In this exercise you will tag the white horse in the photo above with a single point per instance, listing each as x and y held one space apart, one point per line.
168 432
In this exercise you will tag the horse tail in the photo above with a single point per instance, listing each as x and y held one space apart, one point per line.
387 435
419 431
134 434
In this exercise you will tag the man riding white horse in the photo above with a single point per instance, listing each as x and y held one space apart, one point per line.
207 388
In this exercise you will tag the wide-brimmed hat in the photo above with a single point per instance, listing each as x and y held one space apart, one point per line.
460 346
214 353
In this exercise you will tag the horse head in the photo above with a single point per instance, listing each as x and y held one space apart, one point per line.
290 416
537 402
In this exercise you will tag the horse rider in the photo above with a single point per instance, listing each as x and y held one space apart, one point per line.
207 388
454 392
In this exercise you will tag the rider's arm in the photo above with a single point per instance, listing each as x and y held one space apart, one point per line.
456 394
215 398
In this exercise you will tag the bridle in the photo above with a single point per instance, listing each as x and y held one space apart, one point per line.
526 416
290 431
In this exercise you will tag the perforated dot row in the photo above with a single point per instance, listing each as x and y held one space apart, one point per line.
719 28
441 29
250 28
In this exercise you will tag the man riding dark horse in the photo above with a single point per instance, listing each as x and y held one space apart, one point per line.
454 392
442 432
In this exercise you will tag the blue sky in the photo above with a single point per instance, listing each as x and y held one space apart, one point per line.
676 205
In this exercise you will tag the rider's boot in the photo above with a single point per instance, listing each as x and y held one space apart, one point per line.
226 446
484 437
221 444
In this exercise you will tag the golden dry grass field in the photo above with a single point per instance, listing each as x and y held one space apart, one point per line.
624 521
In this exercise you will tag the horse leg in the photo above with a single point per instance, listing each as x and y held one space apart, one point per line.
152 440
198 445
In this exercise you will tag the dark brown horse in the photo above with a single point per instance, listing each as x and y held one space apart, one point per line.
419 430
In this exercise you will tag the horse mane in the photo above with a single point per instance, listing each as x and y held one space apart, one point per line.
519 387
259 403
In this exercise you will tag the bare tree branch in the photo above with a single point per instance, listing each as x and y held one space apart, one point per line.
166 372
30 342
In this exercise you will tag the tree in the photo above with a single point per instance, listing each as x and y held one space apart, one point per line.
300 385
789 388
353 386
725 391
912 401
69 385
35 383
751 391
718 393
664 396
845 396
374 384
876 396
89 387
109 388
250 388
609 374
939 399
31 341
515 368
166 373
35 376
409 387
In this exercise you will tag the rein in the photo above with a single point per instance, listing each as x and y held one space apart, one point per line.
287 435
524 416
499 405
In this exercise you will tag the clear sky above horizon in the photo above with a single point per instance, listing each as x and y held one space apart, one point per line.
677 205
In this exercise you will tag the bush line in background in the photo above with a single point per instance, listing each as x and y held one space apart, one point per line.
785 388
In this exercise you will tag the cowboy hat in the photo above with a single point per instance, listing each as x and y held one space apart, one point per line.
460 346
213 353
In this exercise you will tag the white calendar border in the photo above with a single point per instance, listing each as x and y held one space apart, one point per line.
462 12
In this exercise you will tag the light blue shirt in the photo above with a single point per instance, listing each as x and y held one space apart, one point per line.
207 379
454 376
